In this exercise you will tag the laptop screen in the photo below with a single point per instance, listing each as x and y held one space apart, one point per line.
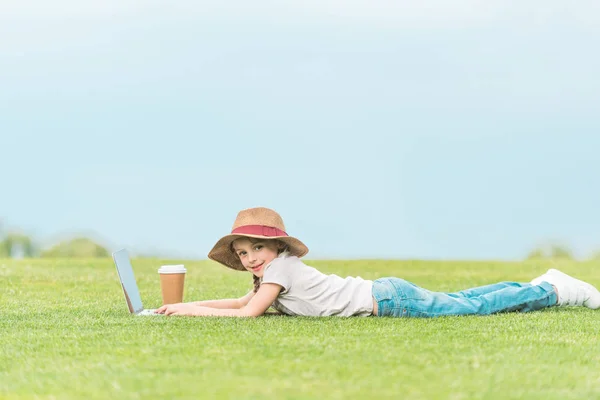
132 294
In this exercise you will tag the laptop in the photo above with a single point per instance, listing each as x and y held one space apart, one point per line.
130 288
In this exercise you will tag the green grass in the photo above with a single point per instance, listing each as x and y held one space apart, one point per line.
65 333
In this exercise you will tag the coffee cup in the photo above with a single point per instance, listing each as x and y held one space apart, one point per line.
172 278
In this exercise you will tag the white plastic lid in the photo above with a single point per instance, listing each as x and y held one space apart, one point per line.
172 269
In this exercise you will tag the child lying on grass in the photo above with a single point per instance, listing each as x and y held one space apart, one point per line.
259 244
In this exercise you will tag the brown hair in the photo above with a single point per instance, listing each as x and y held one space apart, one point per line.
272 243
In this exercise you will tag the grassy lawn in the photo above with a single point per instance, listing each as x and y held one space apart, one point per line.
65 333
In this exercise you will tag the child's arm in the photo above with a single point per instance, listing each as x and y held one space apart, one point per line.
226 303
257 305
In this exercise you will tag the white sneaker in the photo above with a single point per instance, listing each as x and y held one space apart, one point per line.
571 291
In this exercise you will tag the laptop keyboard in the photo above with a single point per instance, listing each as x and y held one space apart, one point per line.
148 312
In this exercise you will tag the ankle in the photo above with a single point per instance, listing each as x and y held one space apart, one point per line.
556 291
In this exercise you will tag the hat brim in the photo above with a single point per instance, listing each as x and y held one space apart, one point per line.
221 251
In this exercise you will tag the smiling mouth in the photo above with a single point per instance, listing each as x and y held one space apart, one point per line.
257 267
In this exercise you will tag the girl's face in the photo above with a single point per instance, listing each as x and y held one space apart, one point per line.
255 256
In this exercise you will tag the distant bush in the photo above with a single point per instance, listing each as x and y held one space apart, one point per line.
79 247
17 245
551 251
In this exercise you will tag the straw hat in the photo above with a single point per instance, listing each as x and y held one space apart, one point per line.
259 222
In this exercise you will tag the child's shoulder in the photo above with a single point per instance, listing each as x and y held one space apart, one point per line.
285 258
286 261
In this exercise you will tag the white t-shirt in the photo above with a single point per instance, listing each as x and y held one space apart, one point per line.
308 292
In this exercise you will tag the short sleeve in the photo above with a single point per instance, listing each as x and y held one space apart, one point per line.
279 272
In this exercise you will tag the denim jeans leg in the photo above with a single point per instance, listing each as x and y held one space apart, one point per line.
397 297
481 290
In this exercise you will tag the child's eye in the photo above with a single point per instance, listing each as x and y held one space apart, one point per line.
241 253
258 247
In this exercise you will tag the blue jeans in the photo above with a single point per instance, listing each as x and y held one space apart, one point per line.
399 298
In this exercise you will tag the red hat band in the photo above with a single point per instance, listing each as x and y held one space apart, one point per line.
259 230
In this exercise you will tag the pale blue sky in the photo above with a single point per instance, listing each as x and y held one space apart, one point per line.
447 129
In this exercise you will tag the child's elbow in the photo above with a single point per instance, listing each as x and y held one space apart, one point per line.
251 312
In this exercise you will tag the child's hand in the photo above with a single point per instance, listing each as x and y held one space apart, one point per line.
189 309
